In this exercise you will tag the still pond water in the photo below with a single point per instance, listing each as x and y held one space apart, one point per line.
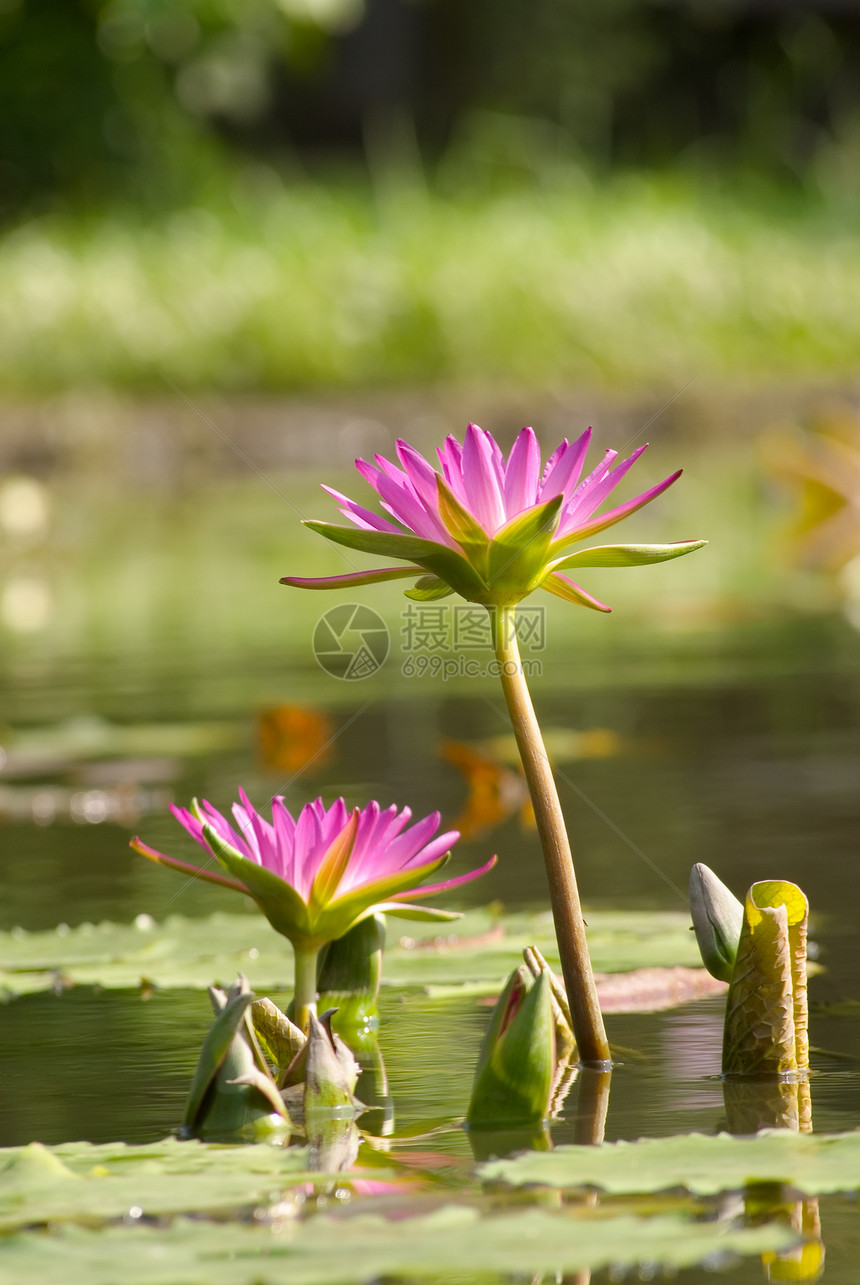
734 743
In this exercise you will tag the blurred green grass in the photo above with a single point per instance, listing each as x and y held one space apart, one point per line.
630 282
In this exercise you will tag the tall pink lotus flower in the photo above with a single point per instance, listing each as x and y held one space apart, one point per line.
316 877
489 528
493 529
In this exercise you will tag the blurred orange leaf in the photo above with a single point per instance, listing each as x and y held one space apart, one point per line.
294 738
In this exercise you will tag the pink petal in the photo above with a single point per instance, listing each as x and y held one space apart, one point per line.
419 472
362 517
431 889
263 831
553 459
481 482
308 851
590 498
451 459
223 828
189 822
403 850
368 472
624 510
521 475
564 475
400 499
285 829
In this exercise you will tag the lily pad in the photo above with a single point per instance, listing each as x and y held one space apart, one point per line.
79 1182
810 1163
479 952
443 1245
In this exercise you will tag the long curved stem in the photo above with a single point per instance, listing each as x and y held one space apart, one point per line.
564 894
305 992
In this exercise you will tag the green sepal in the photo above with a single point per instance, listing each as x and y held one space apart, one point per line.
429 589
390 544
341 914
352 580
516 1065
279 902
718 918
461 525
569 593
518 552
407 910
438 559
626 555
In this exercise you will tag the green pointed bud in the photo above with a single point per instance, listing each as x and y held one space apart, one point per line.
516 1065
331 1073
232 1090
718 917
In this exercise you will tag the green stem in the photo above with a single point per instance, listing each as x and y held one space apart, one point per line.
564 894
305 993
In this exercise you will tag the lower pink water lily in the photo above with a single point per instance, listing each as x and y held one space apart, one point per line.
314 878
491 528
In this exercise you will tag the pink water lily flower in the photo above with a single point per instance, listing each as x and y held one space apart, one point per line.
489 528
316 877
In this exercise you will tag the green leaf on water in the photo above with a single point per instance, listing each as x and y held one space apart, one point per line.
452 1242
80 1182
479 952
811 1163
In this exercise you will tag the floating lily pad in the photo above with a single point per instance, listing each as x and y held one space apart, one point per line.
79 1182
479 952
324 1249
704 1165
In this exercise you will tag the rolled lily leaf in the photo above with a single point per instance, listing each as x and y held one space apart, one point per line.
717 920
516 1065
754 1104
349 973
232 1089
766 1031
280 1038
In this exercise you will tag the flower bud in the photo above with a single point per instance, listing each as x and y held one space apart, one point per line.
516 1065
717 920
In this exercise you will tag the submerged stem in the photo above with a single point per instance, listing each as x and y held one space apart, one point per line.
564 894
305 993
